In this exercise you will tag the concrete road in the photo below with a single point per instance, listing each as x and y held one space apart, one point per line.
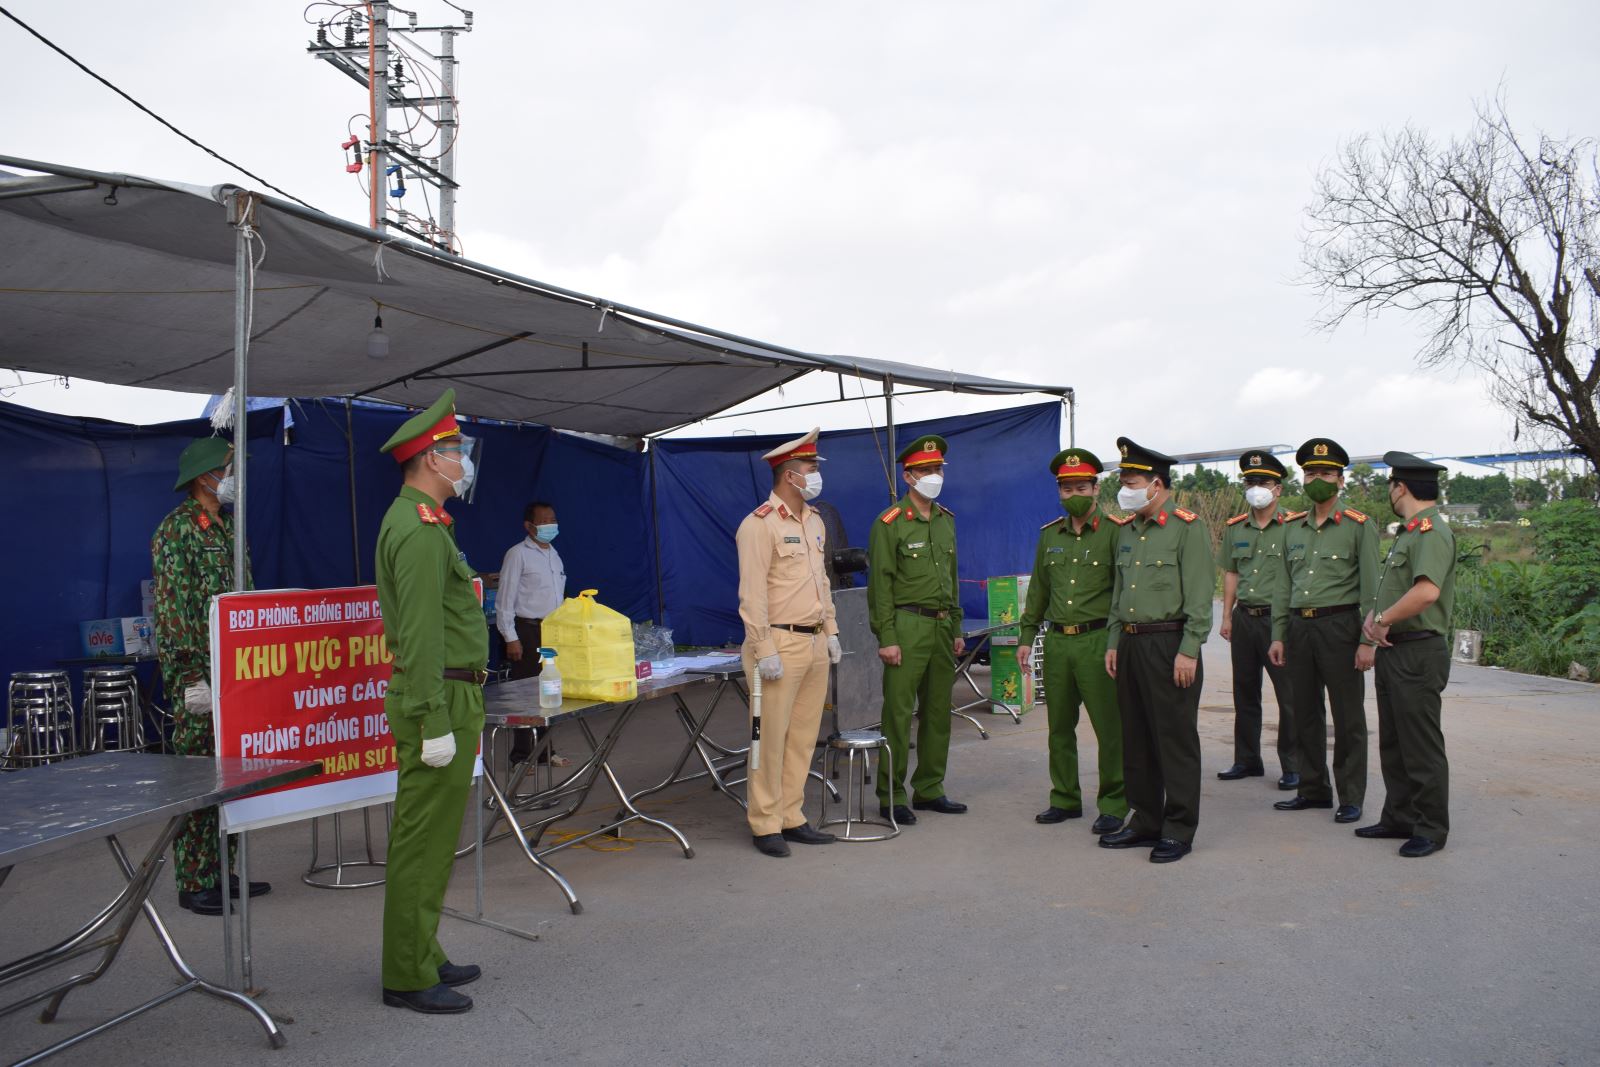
974 939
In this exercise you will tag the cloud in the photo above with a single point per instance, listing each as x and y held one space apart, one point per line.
1277 385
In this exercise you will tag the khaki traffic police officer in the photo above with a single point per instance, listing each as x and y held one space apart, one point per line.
1410 620
1160 616
1251 558
1331 563
914 607
790 636
435 629
1070 596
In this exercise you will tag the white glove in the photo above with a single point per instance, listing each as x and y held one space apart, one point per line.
771 668
835 653
197 698
439 751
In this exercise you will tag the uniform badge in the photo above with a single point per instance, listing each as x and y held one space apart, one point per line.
1124 451
1255 461
930 446
1319 450
1073 461
791 540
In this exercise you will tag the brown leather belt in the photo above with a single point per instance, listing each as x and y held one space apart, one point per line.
1318 613
796 628
461 674
918 609
1411 635
1152 627
1077 628
1255 611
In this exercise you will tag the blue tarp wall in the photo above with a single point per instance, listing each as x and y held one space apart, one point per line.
86 495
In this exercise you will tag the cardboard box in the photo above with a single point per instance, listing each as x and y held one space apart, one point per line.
133 636
147 598
1008 683
1008 594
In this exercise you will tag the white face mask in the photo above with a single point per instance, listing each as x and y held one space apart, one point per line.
813 487
460 485
227 489
1133 499
1258 496
929 485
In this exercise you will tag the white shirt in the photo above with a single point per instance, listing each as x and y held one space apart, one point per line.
533 581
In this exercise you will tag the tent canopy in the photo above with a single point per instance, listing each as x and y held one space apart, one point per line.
130 281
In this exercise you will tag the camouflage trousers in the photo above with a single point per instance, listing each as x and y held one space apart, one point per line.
196 860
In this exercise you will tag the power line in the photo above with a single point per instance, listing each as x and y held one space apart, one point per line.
70 59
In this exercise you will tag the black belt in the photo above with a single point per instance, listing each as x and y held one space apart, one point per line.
535 622
1153 627
1255 611
1075 629
1317 613
462 674
1412 635
918 609
815 628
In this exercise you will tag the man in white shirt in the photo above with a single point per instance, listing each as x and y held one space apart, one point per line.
533 582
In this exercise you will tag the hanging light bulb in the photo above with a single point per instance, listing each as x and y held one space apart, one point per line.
377 340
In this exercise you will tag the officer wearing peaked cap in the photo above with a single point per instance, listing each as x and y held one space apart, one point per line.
1069 599
790 637
914 607
435 629
1409 619
1251 558
1331 567
1160 616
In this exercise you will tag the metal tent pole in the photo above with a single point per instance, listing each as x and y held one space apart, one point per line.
350 462
888 407
243 218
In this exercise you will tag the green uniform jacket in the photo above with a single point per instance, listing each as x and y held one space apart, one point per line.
191 558
431 616
1255 554
1426 548
911 560
1072 574
1328 565
1164 571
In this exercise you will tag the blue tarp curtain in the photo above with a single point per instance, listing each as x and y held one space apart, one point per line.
87 494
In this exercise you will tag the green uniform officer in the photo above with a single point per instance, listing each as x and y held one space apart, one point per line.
914 607
435 629
1331 563
1409 619
1070 597
1251 558
1160 616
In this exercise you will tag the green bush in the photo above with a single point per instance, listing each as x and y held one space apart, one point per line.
1566 536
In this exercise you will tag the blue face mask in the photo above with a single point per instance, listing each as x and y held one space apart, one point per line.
546 532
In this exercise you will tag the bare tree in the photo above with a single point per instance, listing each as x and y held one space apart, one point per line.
1494 245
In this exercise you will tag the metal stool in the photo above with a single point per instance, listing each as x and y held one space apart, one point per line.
39 720
857 744
340 865
112 716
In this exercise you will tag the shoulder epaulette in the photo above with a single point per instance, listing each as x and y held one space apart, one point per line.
1120 521
764 509
1354 514
889 516
425 513
1238 518
1053 522
1425 525
947 511
1293 515
1185 514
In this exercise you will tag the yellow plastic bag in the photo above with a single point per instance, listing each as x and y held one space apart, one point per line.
594 649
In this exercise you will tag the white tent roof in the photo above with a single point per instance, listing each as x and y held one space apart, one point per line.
131 281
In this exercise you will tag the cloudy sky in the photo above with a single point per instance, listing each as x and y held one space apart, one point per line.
1104 196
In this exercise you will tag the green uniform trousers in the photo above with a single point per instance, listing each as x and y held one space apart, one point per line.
1252 636
429 803
197 857
1322 656
1409 678
1074 674
920 685
1160 736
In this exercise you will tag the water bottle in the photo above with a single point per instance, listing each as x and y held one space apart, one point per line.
549 680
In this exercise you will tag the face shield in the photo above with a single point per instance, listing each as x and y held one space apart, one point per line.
467 450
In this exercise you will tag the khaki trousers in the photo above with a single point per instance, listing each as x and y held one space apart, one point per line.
791 715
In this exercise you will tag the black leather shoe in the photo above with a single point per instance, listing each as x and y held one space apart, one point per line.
1290 780
1055 814
257 889
1239 770
1299 803
435 1000
451 974
1127 837
805 835
1347 813
1106 824
1418 847
1169 851
201 901
902 815
1377 829
942 805
771 844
